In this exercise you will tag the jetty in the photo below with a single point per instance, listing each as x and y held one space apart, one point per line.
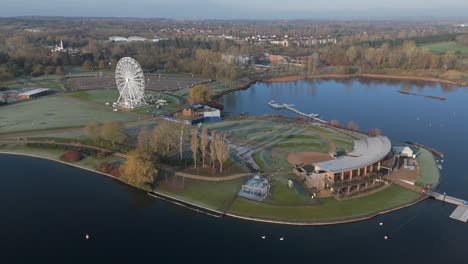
291 108
460 213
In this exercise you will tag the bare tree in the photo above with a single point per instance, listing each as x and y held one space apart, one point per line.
195 143
144 141
213 149
204 144
222 150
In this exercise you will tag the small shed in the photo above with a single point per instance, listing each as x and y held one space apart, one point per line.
403 151
33 93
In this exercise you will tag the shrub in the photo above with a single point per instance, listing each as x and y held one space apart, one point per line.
109 168
72 156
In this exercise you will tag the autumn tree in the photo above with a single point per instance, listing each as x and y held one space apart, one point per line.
334 123
87 65
353 126
200 94
194 146
375 132
204 144
113 131
139 168
93 130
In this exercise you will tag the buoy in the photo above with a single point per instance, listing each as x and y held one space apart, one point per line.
87 236
385 237
381 224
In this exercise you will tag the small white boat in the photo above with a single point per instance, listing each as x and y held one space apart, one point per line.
263 237
281 238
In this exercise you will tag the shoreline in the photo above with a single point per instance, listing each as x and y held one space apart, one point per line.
363 75
201 209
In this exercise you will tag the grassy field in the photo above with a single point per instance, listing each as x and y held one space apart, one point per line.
327 208
54 112
429 173
215 195
444 47
52 82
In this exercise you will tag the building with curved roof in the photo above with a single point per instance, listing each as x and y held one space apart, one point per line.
357 170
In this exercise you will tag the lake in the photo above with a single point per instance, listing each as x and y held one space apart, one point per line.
48 208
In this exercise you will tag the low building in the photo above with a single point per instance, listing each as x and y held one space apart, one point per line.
359 169
33 93
257 188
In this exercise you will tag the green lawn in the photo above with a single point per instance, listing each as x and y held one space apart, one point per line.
55 112
215 195
428 171
443 47
283 195
99 96
327 208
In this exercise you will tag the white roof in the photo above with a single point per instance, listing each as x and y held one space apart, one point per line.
365 152
35 91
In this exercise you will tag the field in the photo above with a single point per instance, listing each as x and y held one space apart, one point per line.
104 96
444 47
55 112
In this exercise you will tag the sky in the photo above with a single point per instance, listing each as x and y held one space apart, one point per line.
238 9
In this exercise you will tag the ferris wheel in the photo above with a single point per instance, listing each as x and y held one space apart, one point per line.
130 82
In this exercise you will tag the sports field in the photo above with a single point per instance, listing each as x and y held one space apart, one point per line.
444 47
55 112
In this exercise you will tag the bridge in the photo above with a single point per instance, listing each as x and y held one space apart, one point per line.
460 213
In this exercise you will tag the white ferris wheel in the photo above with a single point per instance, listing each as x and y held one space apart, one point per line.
130 82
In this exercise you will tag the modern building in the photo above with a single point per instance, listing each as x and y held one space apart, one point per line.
355 171
33 93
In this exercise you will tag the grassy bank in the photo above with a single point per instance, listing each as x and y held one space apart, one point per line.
328 209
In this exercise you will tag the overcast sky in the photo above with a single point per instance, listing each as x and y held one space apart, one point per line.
231 9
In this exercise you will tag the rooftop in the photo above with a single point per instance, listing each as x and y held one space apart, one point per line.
365 152
33 92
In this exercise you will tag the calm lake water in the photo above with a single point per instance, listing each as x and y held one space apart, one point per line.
47 208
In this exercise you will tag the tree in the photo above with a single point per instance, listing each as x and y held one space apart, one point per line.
144 144
375 132
38 70
200 94
352 54
221 149
59 70
49 70
204 144
213 149
139 168
194 146
102 64
93 130
353 126
334 123
113 132
87 65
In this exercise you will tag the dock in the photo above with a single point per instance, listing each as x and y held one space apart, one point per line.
460 213
291 108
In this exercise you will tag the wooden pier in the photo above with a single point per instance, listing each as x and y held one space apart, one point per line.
315 117
461 213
